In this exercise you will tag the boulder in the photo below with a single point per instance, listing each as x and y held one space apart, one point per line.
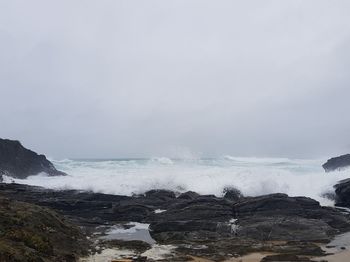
342 192
337 163
19 162
232 193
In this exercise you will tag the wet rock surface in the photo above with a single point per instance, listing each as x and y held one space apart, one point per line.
32 233
342 193
337 163
199 225
232 193
20 162
286 258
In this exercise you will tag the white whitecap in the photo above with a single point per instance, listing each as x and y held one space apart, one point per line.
205 176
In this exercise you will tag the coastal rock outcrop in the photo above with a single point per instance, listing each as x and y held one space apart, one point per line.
278 216
232 193
264 218
19 162
342 192
207 226
32 233
337 163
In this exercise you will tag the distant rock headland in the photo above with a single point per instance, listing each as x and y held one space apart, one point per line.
19 162
337 163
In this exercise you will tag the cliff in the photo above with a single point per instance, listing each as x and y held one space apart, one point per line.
20 162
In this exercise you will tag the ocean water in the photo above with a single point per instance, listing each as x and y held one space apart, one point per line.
253 176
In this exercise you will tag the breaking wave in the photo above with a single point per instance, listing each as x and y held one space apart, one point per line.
253 176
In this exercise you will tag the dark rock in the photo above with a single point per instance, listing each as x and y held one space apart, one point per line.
265 218
202 208
342 191
337 163
232 193
160 194
33 233
275 204
19 162
189 195
272 228
204 226
186 226
285 258
202 218
93 207
278 216
128 211
221 249
329 195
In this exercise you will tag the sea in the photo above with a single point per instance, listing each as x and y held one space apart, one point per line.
252 176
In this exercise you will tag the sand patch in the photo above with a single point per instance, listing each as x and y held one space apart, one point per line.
253 257
158 252
109 255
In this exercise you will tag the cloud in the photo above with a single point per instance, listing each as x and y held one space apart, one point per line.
138 78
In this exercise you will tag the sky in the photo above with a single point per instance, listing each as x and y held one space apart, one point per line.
126 78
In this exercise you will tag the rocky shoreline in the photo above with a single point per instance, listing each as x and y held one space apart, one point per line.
193 225
19 162
38 224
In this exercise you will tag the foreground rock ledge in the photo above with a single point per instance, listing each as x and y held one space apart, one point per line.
32 233
199 225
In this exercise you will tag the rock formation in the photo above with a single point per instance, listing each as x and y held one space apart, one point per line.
337 163
33 233
201 225
342 192
18 162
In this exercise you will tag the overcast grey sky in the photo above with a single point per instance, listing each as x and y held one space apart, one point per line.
145 78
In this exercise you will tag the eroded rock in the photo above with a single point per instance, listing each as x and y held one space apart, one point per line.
342 192
32 233
20 162
204 226
337 163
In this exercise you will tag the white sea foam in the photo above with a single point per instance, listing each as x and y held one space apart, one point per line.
233 224
253 176
109 254
158 211
159 252
134 227
162 160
